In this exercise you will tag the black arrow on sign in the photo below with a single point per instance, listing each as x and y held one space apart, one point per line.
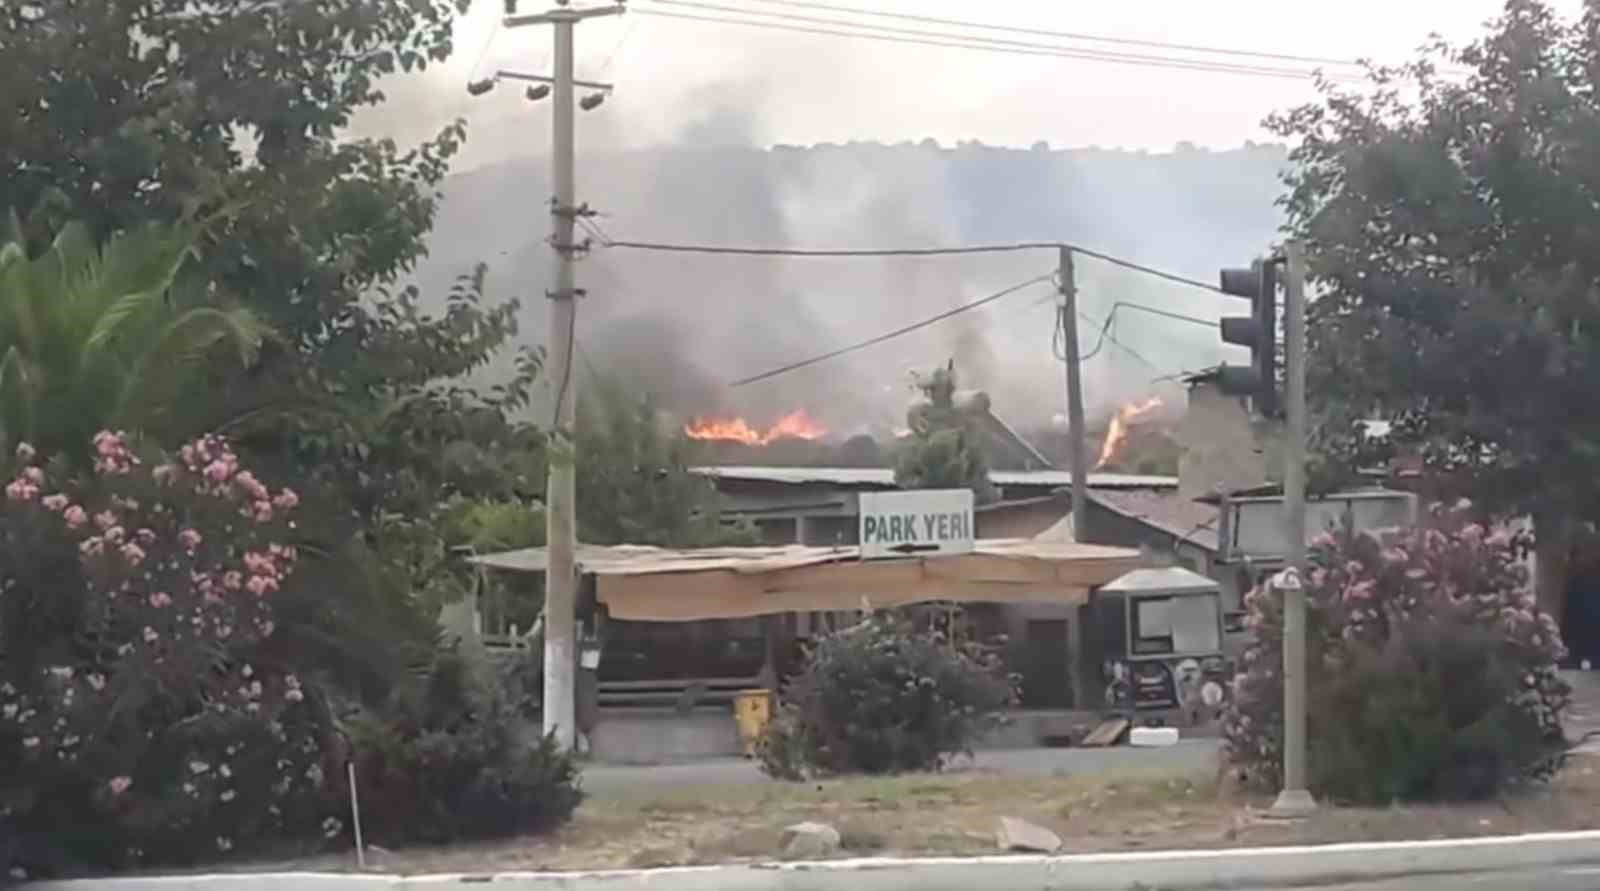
913 548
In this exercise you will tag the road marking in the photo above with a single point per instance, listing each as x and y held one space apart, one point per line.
1590 871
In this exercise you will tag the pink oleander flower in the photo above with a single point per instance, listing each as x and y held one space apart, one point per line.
286 500
189 539
55 503
233 580
75 516
105 520
33 475
21 490
26 452
160 600
133 553
119 785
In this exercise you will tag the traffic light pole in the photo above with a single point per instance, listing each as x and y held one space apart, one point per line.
1294 800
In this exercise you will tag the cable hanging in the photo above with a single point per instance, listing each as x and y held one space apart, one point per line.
972 42
1064 35
890 335
669 247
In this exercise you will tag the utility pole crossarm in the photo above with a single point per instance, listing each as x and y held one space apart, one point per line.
563 15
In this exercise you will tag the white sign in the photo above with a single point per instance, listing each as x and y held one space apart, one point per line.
920 521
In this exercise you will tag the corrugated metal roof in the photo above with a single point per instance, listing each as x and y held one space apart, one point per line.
615 560
883 477
1183 518
1173 579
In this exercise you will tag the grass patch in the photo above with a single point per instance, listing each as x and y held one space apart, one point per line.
956 814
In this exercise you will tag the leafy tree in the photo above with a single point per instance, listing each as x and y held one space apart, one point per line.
161 110
1450 225
96 337
945 448
153 109
634 484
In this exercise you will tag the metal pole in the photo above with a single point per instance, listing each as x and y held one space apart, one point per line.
1294 799
355 814
1075 432
561 539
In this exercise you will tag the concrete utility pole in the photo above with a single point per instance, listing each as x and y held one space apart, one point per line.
1080 461
1294 799
561 538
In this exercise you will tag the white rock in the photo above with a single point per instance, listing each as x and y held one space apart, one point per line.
1019 835
810 841
1153 736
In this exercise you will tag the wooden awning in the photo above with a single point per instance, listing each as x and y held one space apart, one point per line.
661 584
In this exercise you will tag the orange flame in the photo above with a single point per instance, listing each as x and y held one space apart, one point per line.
1117 433
794 425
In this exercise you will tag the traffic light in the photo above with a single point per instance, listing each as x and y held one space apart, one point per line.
1258 331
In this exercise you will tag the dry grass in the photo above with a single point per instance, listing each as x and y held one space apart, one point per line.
955 814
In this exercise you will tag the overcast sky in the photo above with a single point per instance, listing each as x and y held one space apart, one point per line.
679 79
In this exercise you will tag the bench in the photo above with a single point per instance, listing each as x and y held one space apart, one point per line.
683 694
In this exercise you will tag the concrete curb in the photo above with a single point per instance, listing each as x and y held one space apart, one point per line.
1165 870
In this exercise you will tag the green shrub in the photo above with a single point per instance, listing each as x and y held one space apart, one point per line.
1432 674
883 698
448 762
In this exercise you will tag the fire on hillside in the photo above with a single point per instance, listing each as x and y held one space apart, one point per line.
794 425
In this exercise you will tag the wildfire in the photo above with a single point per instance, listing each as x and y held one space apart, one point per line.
1117 432
794 425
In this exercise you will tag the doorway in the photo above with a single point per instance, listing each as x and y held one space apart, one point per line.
1046 665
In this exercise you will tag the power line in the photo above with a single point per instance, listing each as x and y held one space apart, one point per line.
885 34
1086 52
909 252
1064 35
889 335
1193 320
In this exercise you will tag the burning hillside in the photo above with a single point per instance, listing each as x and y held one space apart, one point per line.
794 425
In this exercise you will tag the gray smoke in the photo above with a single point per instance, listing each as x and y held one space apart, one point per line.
684 325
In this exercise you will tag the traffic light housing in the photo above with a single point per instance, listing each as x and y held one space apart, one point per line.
1257 331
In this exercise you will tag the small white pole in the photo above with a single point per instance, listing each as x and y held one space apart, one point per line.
355 815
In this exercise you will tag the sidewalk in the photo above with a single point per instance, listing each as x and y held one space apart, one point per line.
605 780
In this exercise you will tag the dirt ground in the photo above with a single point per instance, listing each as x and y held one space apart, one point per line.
956 813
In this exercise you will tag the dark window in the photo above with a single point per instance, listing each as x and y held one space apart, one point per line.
1152 625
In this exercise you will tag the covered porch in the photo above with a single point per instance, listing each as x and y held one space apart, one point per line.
681 631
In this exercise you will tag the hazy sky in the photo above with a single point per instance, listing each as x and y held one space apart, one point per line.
673 76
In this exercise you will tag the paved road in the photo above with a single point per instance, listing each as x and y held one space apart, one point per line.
1559 878
1195 754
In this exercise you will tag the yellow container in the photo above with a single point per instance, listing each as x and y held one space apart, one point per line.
752 711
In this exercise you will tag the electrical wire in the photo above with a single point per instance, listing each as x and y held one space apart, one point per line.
909 252
627 29
890 335
566 367
494 31
1010 47
1064 35
1104 55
